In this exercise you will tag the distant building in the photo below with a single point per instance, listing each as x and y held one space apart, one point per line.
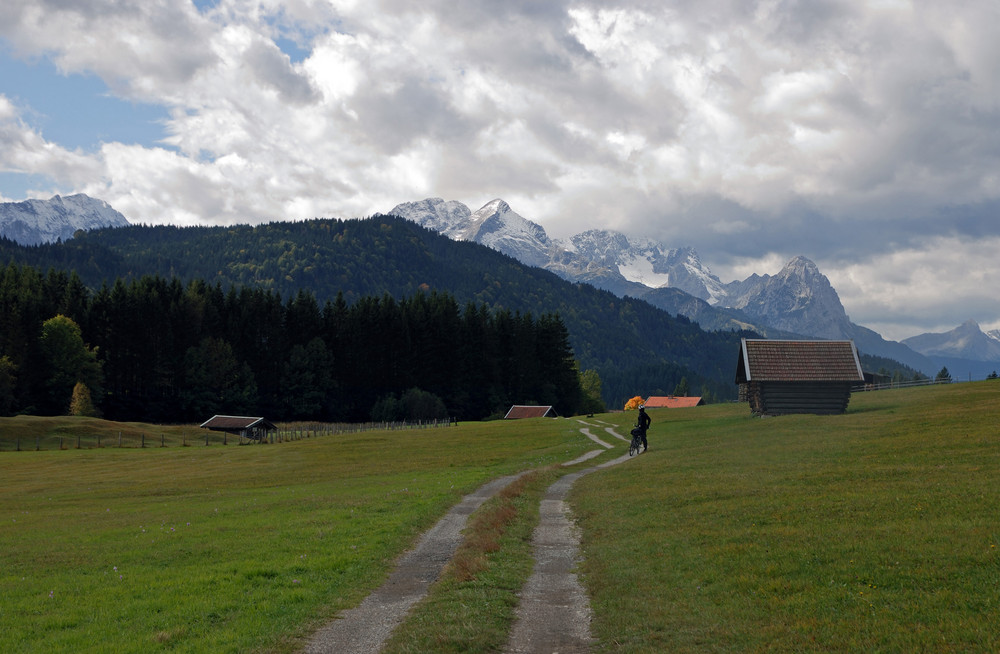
779 377
519 411
253 428
672 402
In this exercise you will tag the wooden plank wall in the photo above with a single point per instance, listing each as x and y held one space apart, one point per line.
778 398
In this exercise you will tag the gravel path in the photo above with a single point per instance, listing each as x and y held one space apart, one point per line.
365 628
554 612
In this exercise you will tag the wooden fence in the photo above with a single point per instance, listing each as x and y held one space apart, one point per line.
205 437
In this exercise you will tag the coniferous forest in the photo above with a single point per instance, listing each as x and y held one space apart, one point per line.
326 319
157 350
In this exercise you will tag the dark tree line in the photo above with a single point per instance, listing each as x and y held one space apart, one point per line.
159 350
628 342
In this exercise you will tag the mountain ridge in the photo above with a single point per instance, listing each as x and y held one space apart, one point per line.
31 222
797 302
391 256
965 341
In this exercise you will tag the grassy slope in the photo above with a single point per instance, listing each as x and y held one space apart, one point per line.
877 530
51 432
229 548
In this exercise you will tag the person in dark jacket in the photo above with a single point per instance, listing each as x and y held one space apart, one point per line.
643 425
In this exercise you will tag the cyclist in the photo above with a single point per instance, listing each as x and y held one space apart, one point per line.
642 425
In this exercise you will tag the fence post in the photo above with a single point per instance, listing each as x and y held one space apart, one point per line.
98 440
161 441
143 440
19 444
36 444
119 439
206 439
78 441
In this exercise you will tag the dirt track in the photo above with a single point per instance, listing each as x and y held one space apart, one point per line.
554 612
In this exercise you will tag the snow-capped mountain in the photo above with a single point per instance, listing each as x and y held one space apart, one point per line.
798 299
42 221
967 341
448 218
498 226
798 302
649 263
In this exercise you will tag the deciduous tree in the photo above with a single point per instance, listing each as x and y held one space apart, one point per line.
68 360
82 404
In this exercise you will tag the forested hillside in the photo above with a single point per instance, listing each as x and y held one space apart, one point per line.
389 256
152 349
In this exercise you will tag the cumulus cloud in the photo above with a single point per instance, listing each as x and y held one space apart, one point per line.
851 133
24 150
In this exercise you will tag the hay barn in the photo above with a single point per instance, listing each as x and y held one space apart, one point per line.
519 411
253 428
781 377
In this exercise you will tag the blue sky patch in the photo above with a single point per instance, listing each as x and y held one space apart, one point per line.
76 111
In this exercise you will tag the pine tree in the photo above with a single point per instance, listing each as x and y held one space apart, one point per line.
682 389
8 383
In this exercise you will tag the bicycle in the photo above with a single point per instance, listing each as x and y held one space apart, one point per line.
636 445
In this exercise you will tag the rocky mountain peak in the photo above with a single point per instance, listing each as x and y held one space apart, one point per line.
967 341
798 299
42 221
436 214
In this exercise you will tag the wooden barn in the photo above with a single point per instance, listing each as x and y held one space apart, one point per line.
253 428
779 377
519 411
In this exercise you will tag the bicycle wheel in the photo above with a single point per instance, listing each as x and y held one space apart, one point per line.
633 447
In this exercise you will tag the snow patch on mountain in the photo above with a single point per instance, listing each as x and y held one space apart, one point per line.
436 214
642 270
43 221
650 263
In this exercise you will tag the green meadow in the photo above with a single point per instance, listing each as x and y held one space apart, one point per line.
230 548
876 530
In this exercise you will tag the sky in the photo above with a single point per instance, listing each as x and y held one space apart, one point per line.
863 135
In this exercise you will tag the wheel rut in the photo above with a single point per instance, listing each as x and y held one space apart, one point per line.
554 611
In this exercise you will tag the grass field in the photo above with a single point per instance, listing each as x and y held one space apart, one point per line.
876 530
229 549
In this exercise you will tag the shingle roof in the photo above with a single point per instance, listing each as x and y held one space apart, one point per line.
521 411
229 423
671 402
766 360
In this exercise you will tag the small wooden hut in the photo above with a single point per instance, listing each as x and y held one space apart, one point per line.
519 411
252 428
779 377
